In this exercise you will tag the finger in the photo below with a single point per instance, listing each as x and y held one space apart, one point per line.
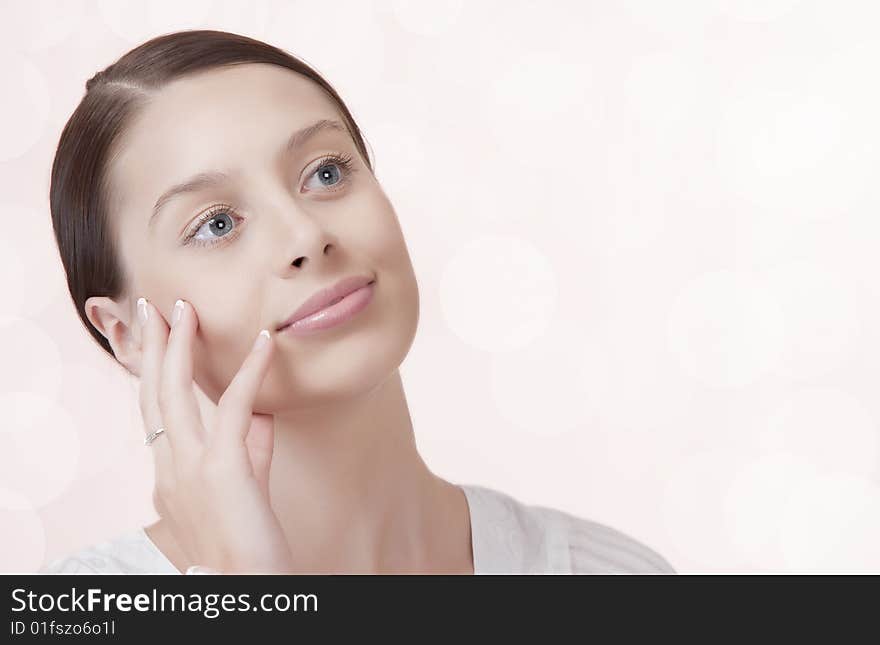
152 350
260 442
177 400
236 404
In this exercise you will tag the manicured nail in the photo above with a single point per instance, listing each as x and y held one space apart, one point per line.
175 314
142 311
262 339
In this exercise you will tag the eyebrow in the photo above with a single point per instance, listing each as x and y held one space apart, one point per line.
204 180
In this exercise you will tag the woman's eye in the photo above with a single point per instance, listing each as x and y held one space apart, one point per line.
328 175
216 226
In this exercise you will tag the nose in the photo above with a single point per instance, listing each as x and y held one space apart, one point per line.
302 237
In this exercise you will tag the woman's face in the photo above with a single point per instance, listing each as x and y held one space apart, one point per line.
290 231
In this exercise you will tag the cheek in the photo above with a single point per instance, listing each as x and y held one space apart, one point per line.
381 239
228 301
215 364
223 341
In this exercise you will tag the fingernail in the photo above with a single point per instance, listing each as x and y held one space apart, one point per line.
175 314
142 311
262 339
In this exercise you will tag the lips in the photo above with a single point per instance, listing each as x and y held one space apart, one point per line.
325 298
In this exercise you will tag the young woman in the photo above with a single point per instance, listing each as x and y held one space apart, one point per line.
210 191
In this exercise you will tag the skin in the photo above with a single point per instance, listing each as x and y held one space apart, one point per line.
347 484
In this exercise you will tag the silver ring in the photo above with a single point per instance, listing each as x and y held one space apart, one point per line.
150 437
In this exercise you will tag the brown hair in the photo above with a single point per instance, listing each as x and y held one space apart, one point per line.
79 191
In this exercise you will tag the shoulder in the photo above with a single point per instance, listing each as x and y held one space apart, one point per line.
130 552
531 538
593 547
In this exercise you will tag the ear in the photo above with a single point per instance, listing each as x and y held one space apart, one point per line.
118 323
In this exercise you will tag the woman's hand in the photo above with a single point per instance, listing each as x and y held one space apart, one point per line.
211 486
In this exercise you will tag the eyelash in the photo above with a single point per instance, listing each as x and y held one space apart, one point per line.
343 161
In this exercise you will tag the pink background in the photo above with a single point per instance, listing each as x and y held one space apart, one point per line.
675 203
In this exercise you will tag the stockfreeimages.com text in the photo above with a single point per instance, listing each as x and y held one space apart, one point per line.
210 605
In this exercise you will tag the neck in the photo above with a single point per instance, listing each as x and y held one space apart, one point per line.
349 487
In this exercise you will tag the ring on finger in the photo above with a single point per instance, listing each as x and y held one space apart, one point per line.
152 436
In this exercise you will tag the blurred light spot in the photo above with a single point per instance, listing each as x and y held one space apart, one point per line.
692 515
498 293
26 105
24 536
427 18
37 25
755 501
102 444
32 358
12 283
756 10
531 97
39 447
346 45
821 306
32 264
725 328
677 18
663 88
554 384
402 154
141 20
829 428
832 525
802 155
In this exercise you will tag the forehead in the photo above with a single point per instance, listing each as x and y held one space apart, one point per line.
221 119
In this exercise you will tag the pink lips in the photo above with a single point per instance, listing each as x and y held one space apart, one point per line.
330 307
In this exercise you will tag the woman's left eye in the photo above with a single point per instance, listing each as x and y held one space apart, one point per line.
334 170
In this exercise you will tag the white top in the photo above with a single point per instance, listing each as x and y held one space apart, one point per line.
507 537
